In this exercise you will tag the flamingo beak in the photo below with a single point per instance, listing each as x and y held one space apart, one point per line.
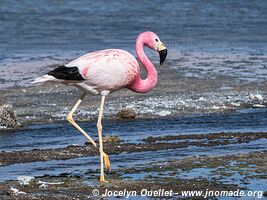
162 52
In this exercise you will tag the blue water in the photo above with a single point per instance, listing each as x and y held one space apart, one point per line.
60 135
37 34
76 25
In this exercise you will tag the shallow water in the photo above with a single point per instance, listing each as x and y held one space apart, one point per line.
209 38
61 135
80 166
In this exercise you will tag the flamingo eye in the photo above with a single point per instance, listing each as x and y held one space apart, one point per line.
156 40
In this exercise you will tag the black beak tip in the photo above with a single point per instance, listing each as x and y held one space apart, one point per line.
162 55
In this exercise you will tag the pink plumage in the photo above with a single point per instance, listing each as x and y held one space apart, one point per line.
112 69
106 71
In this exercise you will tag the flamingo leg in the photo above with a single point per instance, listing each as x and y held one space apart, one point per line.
99 128
71 120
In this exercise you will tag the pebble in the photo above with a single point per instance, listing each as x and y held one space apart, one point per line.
127 113
8 117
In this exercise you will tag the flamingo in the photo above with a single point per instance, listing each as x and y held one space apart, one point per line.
105 71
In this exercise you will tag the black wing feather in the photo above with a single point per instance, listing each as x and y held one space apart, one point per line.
66 73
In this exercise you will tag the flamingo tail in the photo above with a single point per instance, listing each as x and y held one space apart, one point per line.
43 79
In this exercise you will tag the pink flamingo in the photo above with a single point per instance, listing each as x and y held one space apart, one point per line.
106 71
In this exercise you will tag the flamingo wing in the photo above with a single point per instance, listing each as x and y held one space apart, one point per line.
109 69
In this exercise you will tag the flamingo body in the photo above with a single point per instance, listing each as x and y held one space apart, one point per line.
106 70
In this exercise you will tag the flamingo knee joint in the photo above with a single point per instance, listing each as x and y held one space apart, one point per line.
70 118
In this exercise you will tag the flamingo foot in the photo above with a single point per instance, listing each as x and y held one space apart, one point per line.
106 161
102 179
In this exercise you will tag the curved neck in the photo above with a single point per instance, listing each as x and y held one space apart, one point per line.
149 83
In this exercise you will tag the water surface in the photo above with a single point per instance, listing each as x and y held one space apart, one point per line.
41 33
61 135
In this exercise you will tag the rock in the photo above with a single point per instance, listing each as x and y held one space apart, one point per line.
111 139
127 113
8 117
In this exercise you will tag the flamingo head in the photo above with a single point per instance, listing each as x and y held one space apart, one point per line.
151 40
